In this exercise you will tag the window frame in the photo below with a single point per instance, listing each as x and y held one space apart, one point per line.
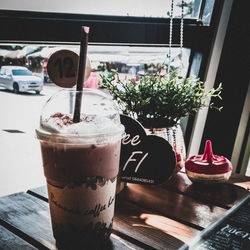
46 27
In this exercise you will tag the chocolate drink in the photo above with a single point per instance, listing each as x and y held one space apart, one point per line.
81 164
81 188
64 163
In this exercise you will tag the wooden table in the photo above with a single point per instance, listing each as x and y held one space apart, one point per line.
146 217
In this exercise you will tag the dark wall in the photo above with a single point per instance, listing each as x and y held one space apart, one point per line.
234 73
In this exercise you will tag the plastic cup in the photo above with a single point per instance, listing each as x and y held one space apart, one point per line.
81 164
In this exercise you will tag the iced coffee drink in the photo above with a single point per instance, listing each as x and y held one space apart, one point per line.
81 163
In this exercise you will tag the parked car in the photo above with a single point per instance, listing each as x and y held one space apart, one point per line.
20 79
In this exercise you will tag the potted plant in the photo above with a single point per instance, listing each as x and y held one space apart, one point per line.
159 101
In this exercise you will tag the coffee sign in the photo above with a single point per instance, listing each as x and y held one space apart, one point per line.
145 159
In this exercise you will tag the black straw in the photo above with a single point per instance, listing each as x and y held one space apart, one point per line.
81 72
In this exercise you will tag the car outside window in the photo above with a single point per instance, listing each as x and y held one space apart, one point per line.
7 72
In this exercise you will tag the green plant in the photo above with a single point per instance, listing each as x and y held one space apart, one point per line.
159 100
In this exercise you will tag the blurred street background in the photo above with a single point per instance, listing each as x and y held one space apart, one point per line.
20 161
20 157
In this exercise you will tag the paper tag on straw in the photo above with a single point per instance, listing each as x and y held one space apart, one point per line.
62 68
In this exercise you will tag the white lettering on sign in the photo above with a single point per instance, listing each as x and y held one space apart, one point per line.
236 231
134 141
130 159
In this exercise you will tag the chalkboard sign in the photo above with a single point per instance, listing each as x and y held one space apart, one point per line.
230 232
144 159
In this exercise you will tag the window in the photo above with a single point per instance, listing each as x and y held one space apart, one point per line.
128 32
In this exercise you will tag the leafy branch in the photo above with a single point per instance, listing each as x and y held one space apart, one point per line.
159 99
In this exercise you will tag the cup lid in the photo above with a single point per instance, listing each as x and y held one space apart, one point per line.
99 116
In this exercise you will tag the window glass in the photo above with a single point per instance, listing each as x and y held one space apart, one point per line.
129 61
142 8
207 13
21 72
22 113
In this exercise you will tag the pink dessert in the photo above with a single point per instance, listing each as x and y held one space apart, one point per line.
208 168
